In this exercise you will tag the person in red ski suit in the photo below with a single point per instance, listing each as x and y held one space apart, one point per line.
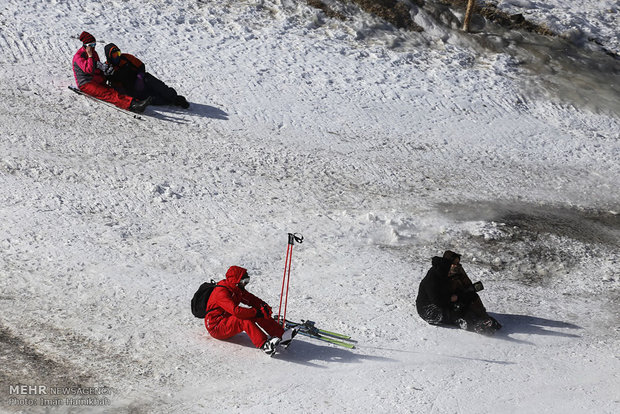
226 318
89 74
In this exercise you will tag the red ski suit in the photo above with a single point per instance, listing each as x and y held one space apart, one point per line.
91 80
225 318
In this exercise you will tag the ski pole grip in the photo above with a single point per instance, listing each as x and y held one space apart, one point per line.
295 237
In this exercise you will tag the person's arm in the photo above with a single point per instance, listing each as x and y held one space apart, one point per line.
136 64
257 303
87 62
464 278
437 292
467 293
108 70
224 300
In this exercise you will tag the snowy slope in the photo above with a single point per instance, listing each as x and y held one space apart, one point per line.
381 156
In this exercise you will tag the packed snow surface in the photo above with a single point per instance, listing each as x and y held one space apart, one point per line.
383 148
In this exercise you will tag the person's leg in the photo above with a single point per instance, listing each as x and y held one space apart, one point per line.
257 336
139 89
270 326
105 93
162 94
226 328
432 314
461 316
231 326
485 325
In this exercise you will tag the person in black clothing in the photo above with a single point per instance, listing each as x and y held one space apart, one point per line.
130 77
448 297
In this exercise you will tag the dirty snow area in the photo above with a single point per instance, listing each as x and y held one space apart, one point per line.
588 20
382 147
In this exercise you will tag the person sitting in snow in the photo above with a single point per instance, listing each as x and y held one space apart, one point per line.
130 77
447 296
226 318
89 74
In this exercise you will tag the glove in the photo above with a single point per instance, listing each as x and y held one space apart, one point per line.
259 314
140 83
266 309
108 70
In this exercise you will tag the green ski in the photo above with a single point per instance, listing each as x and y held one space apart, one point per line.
308 328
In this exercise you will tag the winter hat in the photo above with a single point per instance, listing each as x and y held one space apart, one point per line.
86 37
450 255
109 49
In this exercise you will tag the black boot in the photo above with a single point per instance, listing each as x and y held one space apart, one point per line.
181 101
140 106
486 326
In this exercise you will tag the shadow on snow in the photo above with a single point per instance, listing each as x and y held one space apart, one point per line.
305 350
531 325
176 115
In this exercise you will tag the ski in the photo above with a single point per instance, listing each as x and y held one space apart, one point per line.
335 335
328 339
308 328
311 327
132 114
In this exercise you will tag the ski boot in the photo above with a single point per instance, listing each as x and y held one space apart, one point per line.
288 336
181 101
270 346
139 106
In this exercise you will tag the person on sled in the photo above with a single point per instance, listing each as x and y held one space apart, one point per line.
447 296
226 318
130 77
89 73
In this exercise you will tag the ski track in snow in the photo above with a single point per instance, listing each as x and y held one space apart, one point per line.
381 158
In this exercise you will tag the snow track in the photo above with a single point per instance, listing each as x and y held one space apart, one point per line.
382 158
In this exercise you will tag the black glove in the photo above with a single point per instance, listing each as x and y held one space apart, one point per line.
266 309
259 314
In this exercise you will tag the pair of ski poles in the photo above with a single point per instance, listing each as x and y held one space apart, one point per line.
286 278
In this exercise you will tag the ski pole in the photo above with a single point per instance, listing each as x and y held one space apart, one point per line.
288 251
286 278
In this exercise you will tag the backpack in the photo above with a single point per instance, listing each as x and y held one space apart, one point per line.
201 297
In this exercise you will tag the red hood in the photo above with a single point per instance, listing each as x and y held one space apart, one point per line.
234 274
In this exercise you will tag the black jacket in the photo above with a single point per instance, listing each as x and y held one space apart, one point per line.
435 287
126 69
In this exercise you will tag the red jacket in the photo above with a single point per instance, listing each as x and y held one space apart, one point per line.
87 69
224 301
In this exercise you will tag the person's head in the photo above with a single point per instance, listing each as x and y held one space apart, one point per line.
454 258
112 54
238 276
88 40
245 279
